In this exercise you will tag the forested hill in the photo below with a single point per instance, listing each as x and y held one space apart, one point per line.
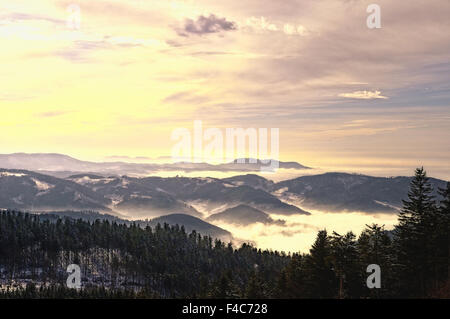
189 223
163 261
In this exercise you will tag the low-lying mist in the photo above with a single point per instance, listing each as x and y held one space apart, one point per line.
299 232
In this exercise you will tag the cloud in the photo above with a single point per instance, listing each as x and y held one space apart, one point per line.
205 25
262 24
15 17
364 95
12 97
121 12
81 47
128 158
211 53
291 29
185 97
51 114
73 46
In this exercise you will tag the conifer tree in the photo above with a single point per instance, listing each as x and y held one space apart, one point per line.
374 247
415 236
256 288
345 263
443 241
320 279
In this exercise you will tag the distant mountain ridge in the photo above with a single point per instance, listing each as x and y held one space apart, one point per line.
53 163
258 163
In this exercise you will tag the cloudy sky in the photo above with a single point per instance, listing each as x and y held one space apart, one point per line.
118 80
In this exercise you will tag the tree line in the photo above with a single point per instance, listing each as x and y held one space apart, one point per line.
124 260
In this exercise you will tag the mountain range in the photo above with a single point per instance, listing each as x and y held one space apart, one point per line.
240 200
341 192
22 189
62 165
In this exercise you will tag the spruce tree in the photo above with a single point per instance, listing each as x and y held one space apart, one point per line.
255 287
292 282
320 279
415 236
346 264
443 241
374 247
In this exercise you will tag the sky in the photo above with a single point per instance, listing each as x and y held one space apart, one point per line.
102 78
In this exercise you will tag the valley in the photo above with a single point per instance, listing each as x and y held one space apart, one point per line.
241 208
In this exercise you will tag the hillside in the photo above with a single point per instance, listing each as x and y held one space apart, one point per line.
243 215
190 224
348 192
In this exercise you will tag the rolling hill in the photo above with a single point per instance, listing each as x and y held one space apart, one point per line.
26 190
339 192
191 223
243 215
